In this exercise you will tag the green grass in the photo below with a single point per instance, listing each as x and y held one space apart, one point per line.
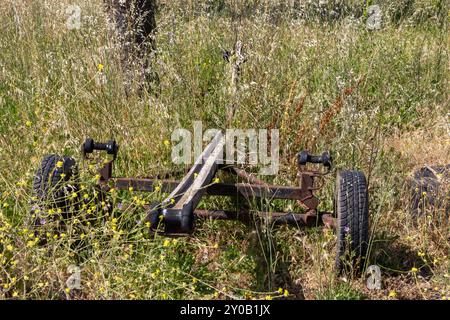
378 100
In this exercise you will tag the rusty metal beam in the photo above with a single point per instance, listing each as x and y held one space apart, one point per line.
177 209
218 189
290 218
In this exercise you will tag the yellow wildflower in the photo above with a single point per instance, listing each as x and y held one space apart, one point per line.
392 294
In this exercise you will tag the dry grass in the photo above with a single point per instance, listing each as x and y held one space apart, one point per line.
429 145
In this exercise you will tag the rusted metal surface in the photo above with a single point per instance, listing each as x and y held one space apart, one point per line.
143 184
185 192
329 221
255 189
221 189
106 172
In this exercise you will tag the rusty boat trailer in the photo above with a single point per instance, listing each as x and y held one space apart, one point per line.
177 213
55 183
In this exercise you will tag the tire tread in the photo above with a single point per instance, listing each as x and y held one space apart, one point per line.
351 207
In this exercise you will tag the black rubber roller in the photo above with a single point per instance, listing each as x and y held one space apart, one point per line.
90 145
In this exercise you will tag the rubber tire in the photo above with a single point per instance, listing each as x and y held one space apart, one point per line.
51 188
351 206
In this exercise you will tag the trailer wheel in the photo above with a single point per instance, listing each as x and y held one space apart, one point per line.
352 210
55 180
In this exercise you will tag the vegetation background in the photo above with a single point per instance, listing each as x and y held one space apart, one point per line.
377 99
